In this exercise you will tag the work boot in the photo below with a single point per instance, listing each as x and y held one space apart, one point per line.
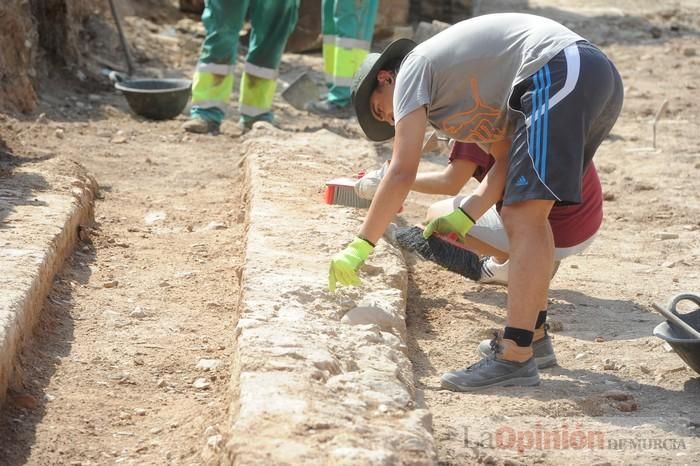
201 126
542 349
327 108
245 123
492 371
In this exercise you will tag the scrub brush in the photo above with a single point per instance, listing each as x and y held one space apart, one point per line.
341 191
443 250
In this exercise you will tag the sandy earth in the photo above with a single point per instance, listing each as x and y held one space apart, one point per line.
155 288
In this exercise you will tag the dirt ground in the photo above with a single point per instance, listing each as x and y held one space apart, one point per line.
112 376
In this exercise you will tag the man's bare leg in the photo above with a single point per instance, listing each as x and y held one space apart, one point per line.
531 263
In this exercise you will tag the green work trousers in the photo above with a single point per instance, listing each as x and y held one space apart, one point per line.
348 26
272 22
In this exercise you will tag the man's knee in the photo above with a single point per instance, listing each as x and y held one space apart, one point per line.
526 215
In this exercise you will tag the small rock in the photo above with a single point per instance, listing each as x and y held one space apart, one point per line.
665 235
655 32
140 412
208 364
689 52
214 441
627 406
156 430
633 385
555 325
118 140
363 315
608 196
610 365
201 383
617 395
215 226
110 284
574 266
668 348
59 133
154 216
599 339
25 401
580 356
161 383
137 313
644 368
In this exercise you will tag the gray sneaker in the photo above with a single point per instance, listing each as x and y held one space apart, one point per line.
542 349
492 372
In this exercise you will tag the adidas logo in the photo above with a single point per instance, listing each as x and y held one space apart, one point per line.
521 181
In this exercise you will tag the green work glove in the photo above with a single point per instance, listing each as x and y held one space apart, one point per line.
456 221
345 264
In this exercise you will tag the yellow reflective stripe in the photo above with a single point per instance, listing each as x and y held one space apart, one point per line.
260 71
347 61
257 92
211 87
328 58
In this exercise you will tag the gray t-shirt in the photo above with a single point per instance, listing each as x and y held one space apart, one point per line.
465 74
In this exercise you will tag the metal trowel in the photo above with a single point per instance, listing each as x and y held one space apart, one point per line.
301 91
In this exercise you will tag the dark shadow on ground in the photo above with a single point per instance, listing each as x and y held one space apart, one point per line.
590 391
50 342
18 188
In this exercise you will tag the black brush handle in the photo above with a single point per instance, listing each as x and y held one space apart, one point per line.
677 321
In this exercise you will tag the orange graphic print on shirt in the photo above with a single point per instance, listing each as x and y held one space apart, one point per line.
479 122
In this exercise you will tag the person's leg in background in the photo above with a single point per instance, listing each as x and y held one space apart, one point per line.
348 26
329 35
272 23
212 82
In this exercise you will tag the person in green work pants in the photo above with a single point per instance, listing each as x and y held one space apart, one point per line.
272 22
347 26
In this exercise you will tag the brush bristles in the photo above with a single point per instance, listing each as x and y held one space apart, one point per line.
345 195
444 253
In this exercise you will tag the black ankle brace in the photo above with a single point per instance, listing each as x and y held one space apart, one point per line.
520 336
541 319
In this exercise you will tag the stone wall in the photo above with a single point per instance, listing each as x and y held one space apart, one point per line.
32 32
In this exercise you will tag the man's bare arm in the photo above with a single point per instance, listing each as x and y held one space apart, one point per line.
400 176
